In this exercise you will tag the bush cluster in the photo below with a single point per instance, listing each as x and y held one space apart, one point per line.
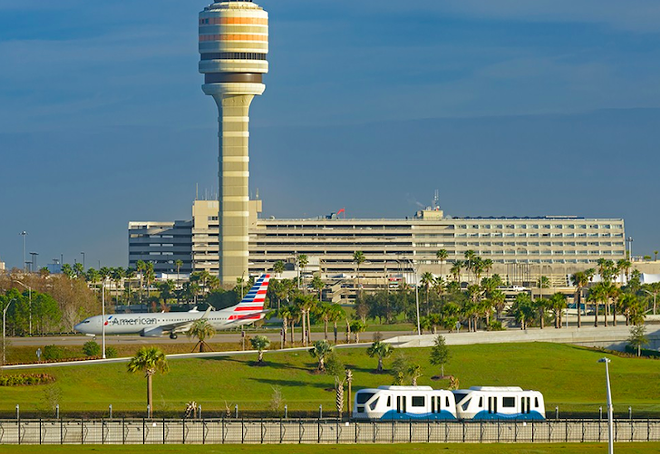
91 348
53 353
26 379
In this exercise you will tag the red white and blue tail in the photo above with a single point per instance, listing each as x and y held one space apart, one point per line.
251 306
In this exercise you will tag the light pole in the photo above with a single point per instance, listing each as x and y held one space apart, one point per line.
30 298
419 330
610 411
83 254
4 329
103 316
24 234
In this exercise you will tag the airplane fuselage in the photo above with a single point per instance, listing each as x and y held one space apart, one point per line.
148 324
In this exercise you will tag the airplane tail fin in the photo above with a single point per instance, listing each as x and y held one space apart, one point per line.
251 306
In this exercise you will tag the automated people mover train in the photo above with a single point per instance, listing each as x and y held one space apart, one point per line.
424 402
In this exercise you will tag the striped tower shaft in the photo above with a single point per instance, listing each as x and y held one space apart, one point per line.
233 43
234 180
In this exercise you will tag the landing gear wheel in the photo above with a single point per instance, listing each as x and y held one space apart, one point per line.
173 336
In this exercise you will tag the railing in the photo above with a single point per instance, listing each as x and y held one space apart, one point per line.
317 431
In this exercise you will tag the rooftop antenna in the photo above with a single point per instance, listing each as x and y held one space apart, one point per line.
436 199
196 191
257 196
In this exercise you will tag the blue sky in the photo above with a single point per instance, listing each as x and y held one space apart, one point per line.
507 107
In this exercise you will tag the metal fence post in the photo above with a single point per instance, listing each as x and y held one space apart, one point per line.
61 432
183 430
242 429
164 430
144 434
40 431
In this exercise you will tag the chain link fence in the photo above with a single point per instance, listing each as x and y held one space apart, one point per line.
317 431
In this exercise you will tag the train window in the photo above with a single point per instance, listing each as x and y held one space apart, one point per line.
509 402
466 404
389 401
362 398
418 401
459 396
536 402
360 409
447 401
481 402
373 404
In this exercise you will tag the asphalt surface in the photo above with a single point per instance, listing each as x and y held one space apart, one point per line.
221 337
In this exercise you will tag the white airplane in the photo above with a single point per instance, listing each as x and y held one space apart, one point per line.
249 310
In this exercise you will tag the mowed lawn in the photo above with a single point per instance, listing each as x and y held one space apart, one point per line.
568 376
575 448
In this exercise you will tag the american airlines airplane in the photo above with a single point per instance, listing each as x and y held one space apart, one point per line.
249 310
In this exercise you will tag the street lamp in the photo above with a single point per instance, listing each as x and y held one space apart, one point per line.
610 417
4 329
83 254
103 316
30 297
24 234
419 330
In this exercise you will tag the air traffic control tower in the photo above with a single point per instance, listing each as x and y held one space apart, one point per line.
233 43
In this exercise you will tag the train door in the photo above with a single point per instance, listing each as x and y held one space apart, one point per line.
525 403
400 404
492 405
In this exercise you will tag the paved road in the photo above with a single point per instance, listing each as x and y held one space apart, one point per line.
222 337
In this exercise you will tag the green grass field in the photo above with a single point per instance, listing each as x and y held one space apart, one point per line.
575 448
568 376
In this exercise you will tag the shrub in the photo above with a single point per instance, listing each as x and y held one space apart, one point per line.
111 352
25 379
53 353
91 348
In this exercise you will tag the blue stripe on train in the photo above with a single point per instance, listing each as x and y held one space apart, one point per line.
532 416
392 415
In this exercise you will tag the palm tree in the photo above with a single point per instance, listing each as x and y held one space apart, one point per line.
427 280
322 311
414 371
278 268
358 326
179 264
320 351
260 343
141 266
335 314
302 263
456 270
149 360
202 330
655 254
558 304
381 350
442 255
318 285
286 315
118 275
358 259
469 255
579 280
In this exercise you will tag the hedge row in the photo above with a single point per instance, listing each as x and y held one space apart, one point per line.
26 379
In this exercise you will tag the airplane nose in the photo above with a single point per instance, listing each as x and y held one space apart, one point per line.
79 328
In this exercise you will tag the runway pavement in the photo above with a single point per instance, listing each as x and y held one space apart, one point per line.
221 337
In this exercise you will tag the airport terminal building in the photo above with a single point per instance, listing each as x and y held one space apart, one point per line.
520 248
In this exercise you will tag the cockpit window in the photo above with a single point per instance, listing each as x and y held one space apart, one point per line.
364 397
